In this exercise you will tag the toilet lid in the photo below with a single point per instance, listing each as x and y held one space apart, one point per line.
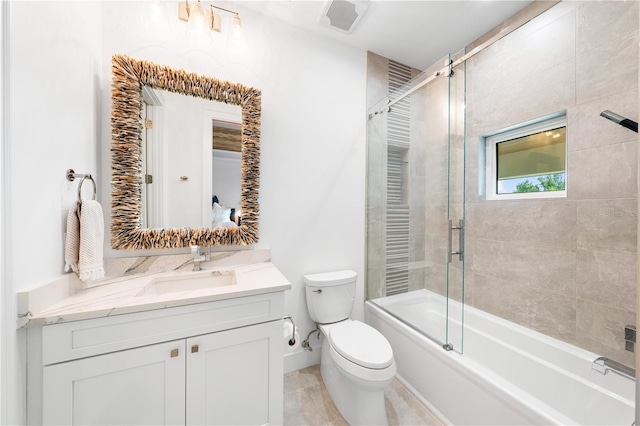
361 344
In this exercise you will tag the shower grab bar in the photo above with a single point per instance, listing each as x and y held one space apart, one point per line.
460 251
604 365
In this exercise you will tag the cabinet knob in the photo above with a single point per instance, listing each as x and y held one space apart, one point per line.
194 349
174 353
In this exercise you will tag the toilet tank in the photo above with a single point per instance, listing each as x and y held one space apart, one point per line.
330 295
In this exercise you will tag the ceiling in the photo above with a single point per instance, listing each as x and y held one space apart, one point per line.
417 33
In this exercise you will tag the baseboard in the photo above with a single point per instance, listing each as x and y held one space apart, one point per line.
301 358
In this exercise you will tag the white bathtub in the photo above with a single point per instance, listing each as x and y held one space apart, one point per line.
508 374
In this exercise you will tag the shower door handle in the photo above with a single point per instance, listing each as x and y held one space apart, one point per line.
460 229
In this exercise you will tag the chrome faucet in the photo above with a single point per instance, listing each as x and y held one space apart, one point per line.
198 257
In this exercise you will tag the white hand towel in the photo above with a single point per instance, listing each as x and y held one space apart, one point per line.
72 241
90 259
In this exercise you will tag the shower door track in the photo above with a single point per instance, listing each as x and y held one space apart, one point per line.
446 70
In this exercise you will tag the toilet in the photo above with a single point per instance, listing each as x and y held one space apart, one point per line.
356 361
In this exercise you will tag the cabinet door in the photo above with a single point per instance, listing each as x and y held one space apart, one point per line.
235 377
143 386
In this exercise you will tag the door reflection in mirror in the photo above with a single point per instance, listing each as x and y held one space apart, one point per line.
182 170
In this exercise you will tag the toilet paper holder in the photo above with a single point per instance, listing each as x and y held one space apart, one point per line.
292 341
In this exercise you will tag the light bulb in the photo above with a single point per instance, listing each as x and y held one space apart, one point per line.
237 23
196 15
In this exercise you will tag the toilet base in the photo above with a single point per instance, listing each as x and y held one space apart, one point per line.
357 405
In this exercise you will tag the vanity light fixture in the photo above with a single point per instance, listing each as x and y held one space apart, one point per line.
195 12
236 22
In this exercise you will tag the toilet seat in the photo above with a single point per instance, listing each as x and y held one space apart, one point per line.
360 344
366 378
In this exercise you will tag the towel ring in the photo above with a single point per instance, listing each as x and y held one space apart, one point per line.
71 176
80 187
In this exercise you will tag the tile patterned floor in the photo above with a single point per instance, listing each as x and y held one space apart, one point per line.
307 402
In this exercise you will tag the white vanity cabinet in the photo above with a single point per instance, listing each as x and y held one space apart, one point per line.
209 363
143 386
230 379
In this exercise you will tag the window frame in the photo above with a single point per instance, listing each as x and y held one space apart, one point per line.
518 131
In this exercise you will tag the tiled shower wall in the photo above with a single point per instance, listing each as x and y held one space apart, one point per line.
564 267
378 88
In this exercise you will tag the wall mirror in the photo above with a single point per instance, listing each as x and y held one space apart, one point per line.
191 156
223 204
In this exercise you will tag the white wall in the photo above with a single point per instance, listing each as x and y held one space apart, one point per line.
312 151
5 292
54 120
312 202
54 125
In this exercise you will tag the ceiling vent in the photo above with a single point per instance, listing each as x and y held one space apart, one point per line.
343 15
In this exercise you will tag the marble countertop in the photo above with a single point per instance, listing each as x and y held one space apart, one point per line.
67 299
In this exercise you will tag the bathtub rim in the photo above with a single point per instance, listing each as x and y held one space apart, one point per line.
526 404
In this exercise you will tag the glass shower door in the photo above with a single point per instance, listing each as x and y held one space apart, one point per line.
414 187
444 202
456 211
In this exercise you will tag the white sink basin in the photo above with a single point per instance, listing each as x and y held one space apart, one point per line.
188 282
